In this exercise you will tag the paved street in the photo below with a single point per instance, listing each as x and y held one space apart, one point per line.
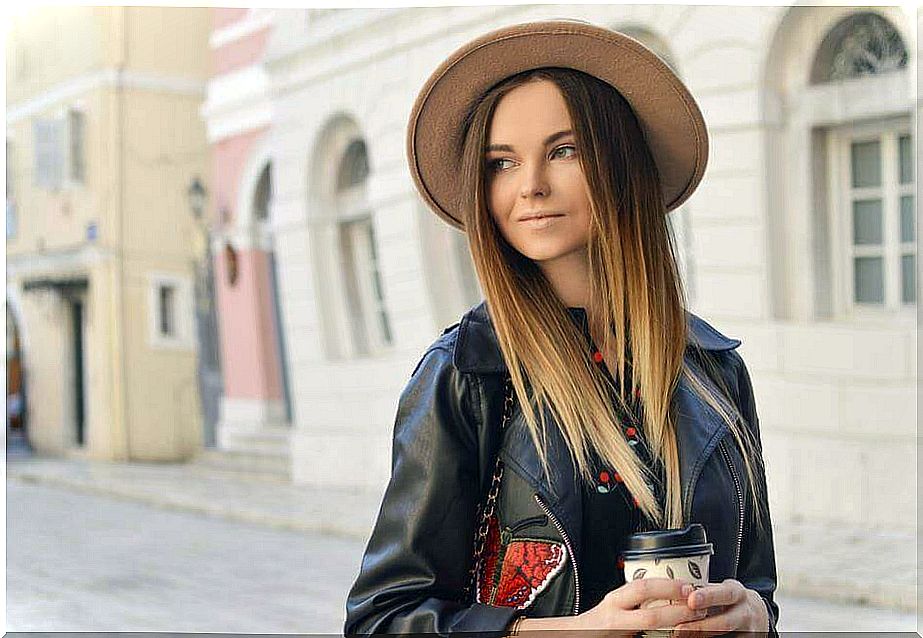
83 562
79 562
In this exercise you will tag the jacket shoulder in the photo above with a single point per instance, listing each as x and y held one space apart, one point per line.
444 345
703 335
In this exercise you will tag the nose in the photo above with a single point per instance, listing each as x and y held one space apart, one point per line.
535 183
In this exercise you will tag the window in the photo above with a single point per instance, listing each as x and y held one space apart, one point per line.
368 315
877 221
60 152
170 312
166 310
368 319
75 138
48 137
862 44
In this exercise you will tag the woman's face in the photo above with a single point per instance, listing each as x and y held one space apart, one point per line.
537 193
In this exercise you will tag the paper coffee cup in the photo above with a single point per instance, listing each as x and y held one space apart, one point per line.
680 554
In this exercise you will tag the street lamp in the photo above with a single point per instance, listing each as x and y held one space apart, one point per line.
207 367
197 195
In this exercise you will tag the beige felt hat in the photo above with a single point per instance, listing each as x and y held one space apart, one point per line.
672 123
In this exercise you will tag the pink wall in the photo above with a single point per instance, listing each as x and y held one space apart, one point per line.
229 157
238 53
241 53
250 362
223 16
248 337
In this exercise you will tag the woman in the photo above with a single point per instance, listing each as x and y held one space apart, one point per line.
559 147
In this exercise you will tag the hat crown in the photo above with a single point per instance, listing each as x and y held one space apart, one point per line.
669 116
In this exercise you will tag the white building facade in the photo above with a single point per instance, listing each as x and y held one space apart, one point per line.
800 240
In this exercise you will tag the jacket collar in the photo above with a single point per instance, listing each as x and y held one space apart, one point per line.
699 427
477 349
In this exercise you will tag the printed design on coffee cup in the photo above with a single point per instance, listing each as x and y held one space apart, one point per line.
694 570
516 570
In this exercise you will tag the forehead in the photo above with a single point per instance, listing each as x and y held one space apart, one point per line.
529 110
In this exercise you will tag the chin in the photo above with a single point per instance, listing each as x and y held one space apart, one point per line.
541 254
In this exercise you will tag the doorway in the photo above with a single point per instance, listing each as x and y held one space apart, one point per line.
78 348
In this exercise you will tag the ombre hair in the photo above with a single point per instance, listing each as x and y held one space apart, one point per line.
635 289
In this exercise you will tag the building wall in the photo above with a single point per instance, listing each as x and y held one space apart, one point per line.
835 397
165 147
143 144
48 48
237 114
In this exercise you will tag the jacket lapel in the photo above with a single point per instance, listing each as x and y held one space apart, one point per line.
699 426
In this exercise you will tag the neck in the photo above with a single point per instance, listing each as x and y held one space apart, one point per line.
569 278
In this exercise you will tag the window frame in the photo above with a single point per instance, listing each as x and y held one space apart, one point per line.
65 160
183 310
70 161
360 262
48 173
887 131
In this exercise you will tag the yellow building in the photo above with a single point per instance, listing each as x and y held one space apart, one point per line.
103 141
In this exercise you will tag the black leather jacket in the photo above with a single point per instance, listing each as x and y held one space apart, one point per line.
446 436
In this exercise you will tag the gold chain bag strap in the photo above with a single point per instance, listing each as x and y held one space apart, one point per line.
489 505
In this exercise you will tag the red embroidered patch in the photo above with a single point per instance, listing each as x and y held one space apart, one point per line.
513 573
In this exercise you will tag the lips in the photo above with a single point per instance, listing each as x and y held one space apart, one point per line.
529 216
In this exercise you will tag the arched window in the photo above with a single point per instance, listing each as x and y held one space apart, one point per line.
840 91
871 172
862 44
368 319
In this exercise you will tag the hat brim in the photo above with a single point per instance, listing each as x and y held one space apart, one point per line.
669 116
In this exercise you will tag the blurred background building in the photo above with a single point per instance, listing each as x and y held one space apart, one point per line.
325 276
103 141
252 423
800 240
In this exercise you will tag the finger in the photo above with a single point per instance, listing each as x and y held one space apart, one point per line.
669 615
727 592
728 619
633 594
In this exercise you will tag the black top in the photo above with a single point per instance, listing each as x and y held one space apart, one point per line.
610 514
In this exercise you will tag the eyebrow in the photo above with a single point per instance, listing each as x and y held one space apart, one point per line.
548 140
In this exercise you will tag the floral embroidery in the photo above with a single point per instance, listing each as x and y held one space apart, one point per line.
515 570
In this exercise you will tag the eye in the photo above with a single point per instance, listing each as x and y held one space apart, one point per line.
495 165
563 148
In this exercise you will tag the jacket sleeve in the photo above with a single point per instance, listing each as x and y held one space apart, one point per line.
757 568
417 560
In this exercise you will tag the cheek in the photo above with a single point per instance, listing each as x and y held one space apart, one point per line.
496 199
498 203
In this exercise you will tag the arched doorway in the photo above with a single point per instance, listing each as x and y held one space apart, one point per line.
262 221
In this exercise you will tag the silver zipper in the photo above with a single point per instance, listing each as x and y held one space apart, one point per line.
740 501
570 549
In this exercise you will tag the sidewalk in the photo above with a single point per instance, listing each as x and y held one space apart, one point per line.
822 562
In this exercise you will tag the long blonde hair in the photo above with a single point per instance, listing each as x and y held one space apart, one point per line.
635 290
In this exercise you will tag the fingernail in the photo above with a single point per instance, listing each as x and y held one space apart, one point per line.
687 589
